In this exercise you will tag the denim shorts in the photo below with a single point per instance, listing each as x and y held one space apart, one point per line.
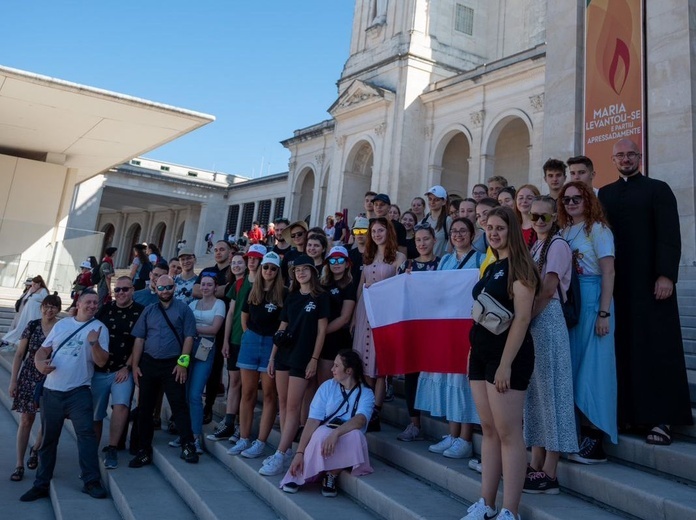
255 351
103 385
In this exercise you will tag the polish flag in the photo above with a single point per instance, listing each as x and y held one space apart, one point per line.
421 321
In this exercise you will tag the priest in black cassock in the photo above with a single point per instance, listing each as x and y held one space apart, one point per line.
651 371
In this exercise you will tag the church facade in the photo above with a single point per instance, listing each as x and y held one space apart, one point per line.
455 92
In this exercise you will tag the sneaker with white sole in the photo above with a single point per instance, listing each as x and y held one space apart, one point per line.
506 514
460 449
274 466
411 433
591 452
235 435
475 464
223 431
198 445
291 487
239 447
480 511
328 486
255 450
443 445
176 443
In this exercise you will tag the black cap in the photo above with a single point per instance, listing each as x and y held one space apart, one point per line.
382 197
303 260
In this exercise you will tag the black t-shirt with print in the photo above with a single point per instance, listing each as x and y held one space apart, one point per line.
264 318
415 266
302 312
120 322
356 259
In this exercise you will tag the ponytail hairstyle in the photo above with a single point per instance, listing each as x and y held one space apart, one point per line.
54 299
351 359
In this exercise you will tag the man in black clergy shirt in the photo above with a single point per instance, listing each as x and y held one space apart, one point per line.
652 386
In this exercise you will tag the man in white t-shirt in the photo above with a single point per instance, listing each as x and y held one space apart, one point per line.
67 357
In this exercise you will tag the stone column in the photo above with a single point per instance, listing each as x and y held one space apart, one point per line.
564 89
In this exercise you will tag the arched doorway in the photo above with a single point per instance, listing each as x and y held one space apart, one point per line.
357 178
108 241
305 195
509 144
455 165
158 234
132 238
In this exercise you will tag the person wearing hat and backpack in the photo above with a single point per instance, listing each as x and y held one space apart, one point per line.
438 218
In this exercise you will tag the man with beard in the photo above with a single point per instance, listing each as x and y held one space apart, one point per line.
149 295
161 354
282 246
652 385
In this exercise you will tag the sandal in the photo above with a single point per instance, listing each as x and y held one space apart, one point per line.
33 460
660 435
18 474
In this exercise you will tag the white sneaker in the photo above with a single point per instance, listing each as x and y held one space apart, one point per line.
274 466
255 450
176 443
242 444
287 458
480 511
443 445
460 449
506 514
475 464
197 444
411 433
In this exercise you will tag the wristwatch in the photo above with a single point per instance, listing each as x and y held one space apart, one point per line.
604 314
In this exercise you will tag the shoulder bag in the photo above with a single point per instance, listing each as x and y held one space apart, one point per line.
489 313
38 389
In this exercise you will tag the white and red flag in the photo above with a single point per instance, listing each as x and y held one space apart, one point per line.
421 321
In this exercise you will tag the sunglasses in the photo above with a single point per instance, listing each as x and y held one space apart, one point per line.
359 232
269 267
121 289
424 225
165 287
298 234
340 261
546 217
575 199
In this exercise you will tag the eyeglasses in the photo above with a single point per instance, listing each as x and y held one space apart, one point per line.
480 192
358 232
165 287
50 307
269 267
459 231
575 199
546 217
298 234
339 260
121 289
630 156
424 225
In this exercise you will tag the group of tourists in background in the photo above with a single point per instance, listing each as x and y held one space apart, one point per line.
591 347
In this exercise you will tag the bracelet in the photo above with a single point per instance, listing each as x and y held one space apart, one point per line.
183 360
315 359
299 453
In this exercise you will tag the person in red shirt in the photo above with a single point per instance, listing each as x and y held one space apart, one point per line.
255 235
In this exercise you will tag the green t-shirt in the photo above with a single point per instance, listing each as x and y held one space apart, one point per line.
239 298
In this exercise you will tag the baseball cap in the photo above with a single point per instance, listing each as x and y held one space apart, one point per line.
383 197
337 251
255 251
361 223
186 251
304 260
271 258
438 191
86 265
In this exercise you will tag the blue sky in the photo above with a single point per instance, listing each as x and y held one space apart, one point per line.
263 68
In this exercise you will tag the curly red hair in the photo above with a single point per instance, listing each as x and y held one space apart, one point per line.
593 211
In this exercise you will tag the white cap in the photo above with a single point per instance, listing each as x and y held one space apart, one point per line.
337 251
86 265
438 191
271 258
256 250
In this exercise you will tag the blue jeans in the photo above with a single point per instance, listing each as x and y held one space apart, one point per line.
76 405
197 377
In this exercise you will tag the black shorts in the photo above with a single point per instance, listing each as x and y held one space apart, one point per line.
232 360
294 372
485 356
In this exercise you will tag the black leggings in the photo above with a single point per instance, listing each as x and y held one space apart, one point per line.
410 386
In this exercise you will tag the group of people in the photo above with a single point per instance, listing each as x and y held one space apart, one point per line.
553 377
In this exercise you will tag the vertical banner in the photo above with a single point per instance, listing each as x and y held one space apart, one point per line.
614 81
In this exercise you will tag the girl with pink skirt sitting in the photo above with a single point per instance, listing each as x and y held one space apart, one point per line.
334 437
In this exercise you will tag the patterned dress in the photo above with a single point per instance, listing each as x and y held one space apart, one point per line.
28 375
363 342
